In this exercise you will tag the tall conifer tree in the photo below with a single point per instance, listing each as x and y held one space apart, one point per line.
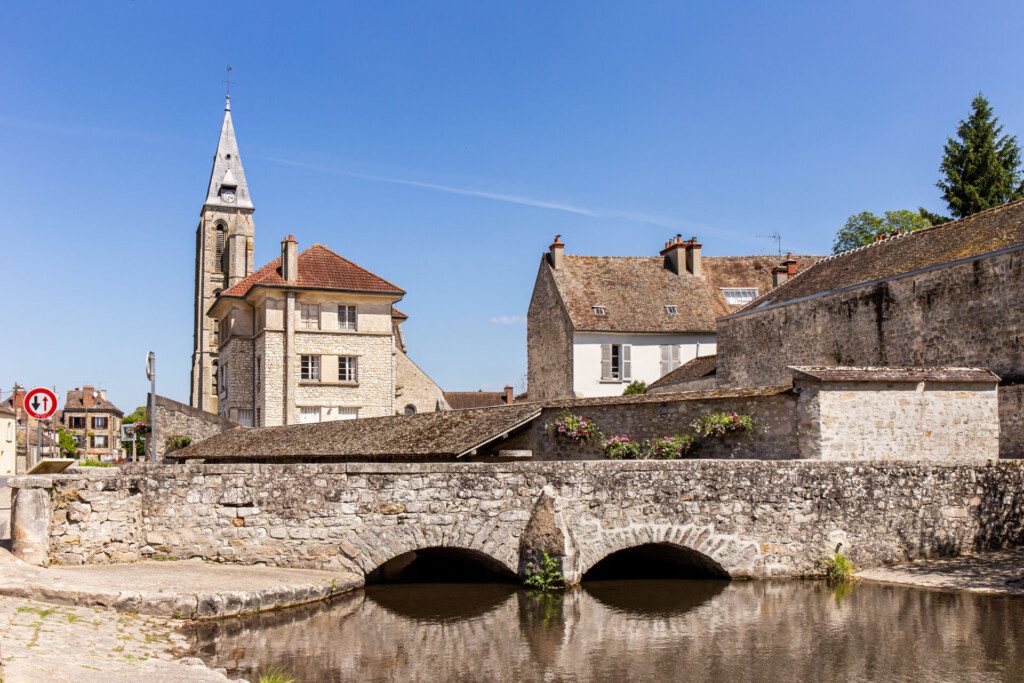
981 166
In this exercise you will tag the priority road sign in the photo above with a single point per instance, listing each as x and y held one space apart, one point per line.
40 403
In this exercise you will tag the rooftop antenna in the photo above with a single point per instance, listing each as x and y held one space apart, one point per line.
774 236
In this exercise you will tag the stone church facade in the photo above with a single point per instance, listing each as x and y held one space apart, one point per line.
309 337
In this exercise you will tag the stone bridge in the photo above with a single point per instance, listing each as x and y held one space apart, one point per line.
741 518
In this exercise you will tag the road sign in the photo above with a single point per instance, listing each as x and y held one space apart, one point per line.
40 403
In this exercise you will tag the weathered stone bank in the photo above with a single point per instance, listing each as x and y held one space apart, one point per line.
750 518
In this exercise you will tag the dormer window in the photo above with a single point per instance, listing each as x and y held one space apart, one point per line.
737 296
671 309
600 311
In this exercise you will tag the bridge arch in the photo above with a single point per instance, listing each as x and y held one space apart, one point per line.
718 555
442 564
489 545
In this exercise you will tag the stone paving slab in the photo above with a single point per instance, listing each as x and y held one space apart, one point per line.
999 572
43 643
183 589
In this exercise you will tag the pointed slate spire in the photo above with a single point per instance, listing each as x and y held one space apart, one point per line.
227 179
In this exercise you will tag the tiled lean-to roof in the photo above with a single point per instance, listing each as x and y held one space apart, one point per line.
989 231
319 268
702 366
909 374
441 435
461 400
635 290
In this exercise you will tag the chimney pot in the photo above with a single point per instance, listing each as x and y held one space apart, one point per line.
290 259
509 396
556 253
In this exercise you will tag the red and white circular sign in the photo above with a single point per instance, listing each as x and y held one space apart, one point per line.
40 403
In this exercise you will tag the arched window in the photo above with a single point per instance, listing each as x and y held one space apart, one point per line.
221 237
410 409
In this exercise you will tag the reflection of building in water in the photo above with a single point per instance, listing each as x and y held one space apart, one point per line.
759 630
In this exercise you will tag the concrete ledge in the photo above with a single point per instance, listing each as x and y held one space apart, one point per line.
185 589
1000 572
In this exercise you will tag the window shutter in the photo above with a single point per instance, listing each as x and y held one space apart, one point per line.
666 359
627 366
355 368
675 356
606 361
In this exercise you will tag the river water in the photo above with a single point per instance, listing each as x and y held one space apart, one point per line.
637 630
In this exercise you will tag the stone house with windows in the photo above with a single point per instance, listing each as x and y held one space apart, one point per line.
949 295
94 423
596 323
310 337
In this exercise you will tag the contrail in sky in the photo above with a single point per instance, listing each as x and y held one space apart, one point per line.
633 216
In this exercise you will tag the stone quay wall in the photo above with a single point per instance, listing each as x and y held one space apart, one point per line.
747 518
178 419
962 315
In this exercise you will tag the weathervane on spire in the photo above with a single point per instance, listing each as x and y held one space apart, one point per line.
228 81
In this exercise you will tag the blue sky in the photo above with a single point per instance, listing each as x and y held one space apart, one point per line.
442 145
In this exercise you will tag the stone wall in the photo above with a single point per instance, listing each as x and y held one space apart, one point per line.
178 419
875 420
414 387
549 347
774 411
963 315
749 518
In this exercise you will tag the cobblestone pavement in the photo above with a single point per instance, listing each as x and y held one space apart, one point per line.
56 644
991 572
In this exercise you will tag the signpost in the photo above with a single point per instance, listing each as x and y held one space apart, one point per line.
151 376
40 403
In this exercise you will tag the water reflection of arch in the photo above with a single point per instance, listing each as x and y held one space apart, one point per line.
719 555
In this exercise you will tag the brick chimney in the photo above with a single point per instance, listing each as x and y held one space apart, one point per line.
674 253
509 396
556 253
290 259
88 399
19 399
693 264
784 271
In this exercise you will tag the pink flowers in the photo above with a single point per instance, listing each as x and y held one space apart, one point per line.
575 428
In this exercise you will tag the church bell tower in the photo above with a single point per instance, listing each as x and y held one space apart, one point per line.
224 245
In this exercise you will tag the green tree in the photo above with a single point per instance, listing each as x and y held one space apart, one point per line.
981 166
66 442
933 218
637 387
862 228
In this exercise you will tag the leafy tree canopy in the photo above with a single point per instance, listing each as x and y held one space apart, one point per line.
66 442
981 166
137 415
637 387
862 228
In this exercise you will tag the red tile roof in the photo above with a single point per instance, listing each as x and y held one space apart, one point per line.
395 313
319 268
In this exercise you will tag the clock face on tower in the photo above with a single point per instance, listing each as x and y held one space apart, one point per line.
228 194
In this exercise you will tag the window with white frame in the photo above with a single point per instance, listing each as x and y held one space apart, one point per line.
99 423
347 368
309 414
616 363
599 311
347 317
76 422
99 440
244 417
670 358
347 413
309 315
736 296
309 368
